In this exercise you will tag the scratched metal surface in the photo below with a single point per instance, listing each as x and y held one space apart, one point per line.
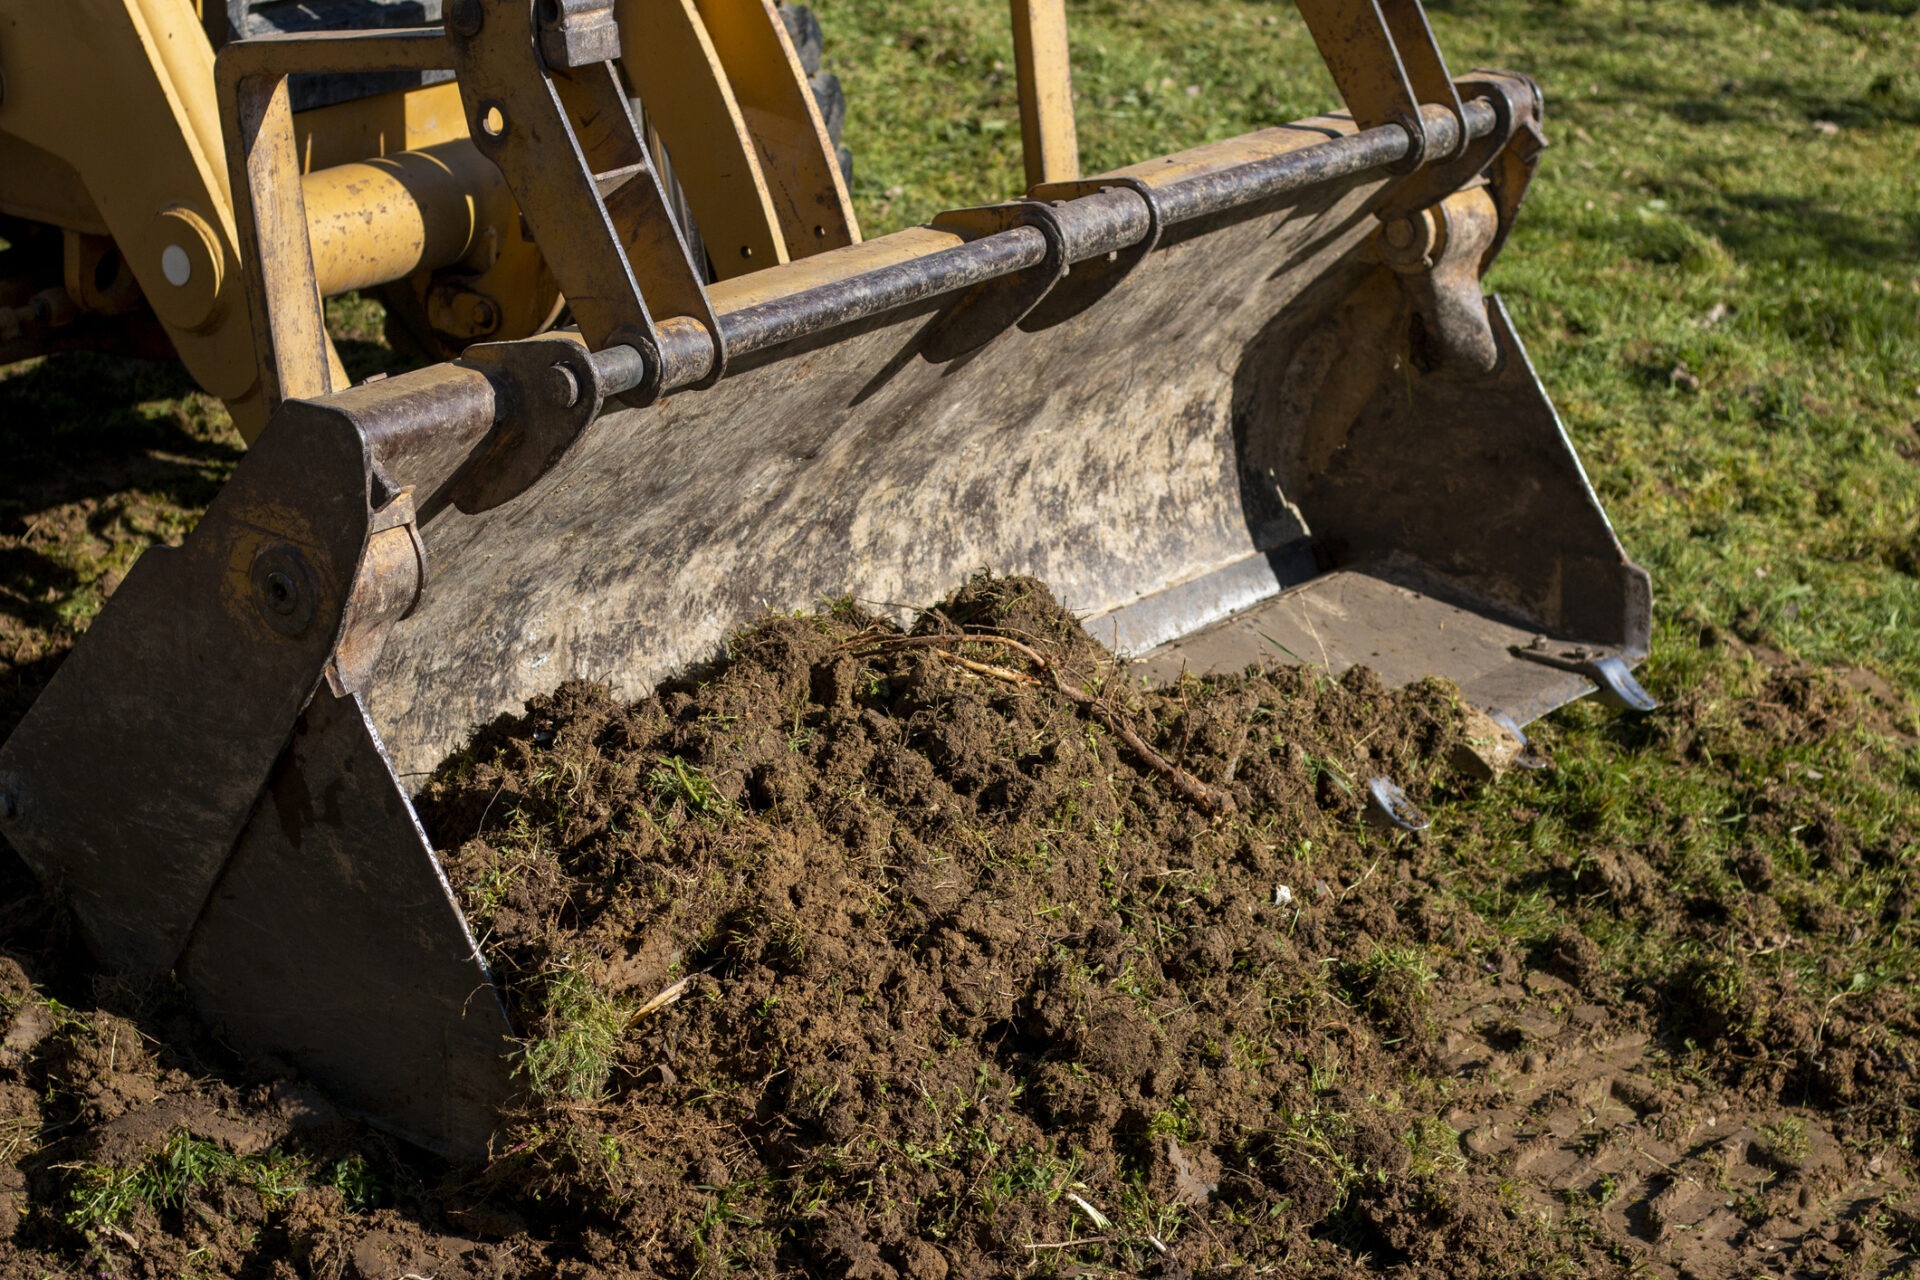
1098 455
1246 390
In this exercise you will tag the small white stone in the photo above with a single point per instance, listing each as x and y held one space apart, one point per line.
1282 895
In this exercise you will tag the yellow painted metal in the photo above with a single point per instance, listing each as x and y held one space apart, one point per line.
830 268
134 171
95 275
137 120
393 190
382 125
1048 141
379 220
802 170
670 60
297 360
501 289
41 187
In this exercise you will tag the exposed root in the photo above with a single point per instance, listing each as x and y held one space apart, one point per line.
1210 798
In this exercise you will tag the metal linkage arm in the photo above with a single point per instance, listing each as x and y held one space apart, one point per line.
543 105
1387 67
555 119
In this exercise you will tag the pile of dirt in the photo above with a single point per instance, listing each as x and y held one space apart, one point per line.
948 952
968 985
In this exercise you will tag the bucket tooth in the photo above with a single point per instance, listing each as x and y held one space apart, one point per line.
1611 676
1389 808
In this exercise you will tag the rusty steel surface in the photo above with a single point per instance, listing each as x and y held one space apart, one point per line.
195 672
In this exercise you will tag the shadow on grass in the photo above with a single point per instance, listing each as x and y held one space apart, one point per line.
1766 102
31 584
80 427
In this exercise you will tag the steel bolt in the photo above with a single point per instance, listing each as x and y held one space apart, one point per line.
465 16
284 589
282 594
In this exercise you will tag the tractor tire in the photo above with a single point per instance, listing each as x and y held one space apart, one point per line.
241 19
810 43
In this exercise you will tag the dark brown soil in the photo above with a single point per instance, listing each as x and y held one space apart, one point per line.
968 986
959 957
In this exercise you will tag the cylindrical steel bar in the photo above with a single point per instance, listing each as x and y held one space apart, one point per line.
422 425
1323 162
1098 224
769 324
1103 223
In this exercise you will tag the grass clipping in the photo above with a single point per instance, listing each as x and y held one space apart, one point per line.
948 952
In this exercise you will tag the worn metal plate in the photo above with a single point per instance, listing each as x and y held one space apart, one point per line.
1097 454
333 942
1347 619
138 764
1469 524
1198 413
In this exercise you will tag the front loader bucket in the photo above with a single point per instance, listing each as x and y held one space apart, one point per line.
1245 402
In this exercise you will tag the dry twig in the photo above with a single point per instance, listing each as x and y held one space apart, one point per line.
666 997
1210 798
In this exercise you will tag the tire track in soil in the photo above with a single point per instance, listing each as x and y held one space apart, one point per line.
1595 1130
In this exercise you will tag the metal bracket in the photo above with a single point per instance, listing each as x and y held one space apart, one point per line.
1608 671
565 138
1510 154
577 33
559 127
1089 281
992 307
1384 60
550 390
1436 255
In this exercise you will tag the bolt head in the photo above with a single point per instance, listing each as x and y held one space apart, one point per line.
465 16
563 387
284 589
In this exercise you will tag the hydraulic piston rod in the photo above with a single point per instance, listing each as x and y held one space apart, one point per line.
380 220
